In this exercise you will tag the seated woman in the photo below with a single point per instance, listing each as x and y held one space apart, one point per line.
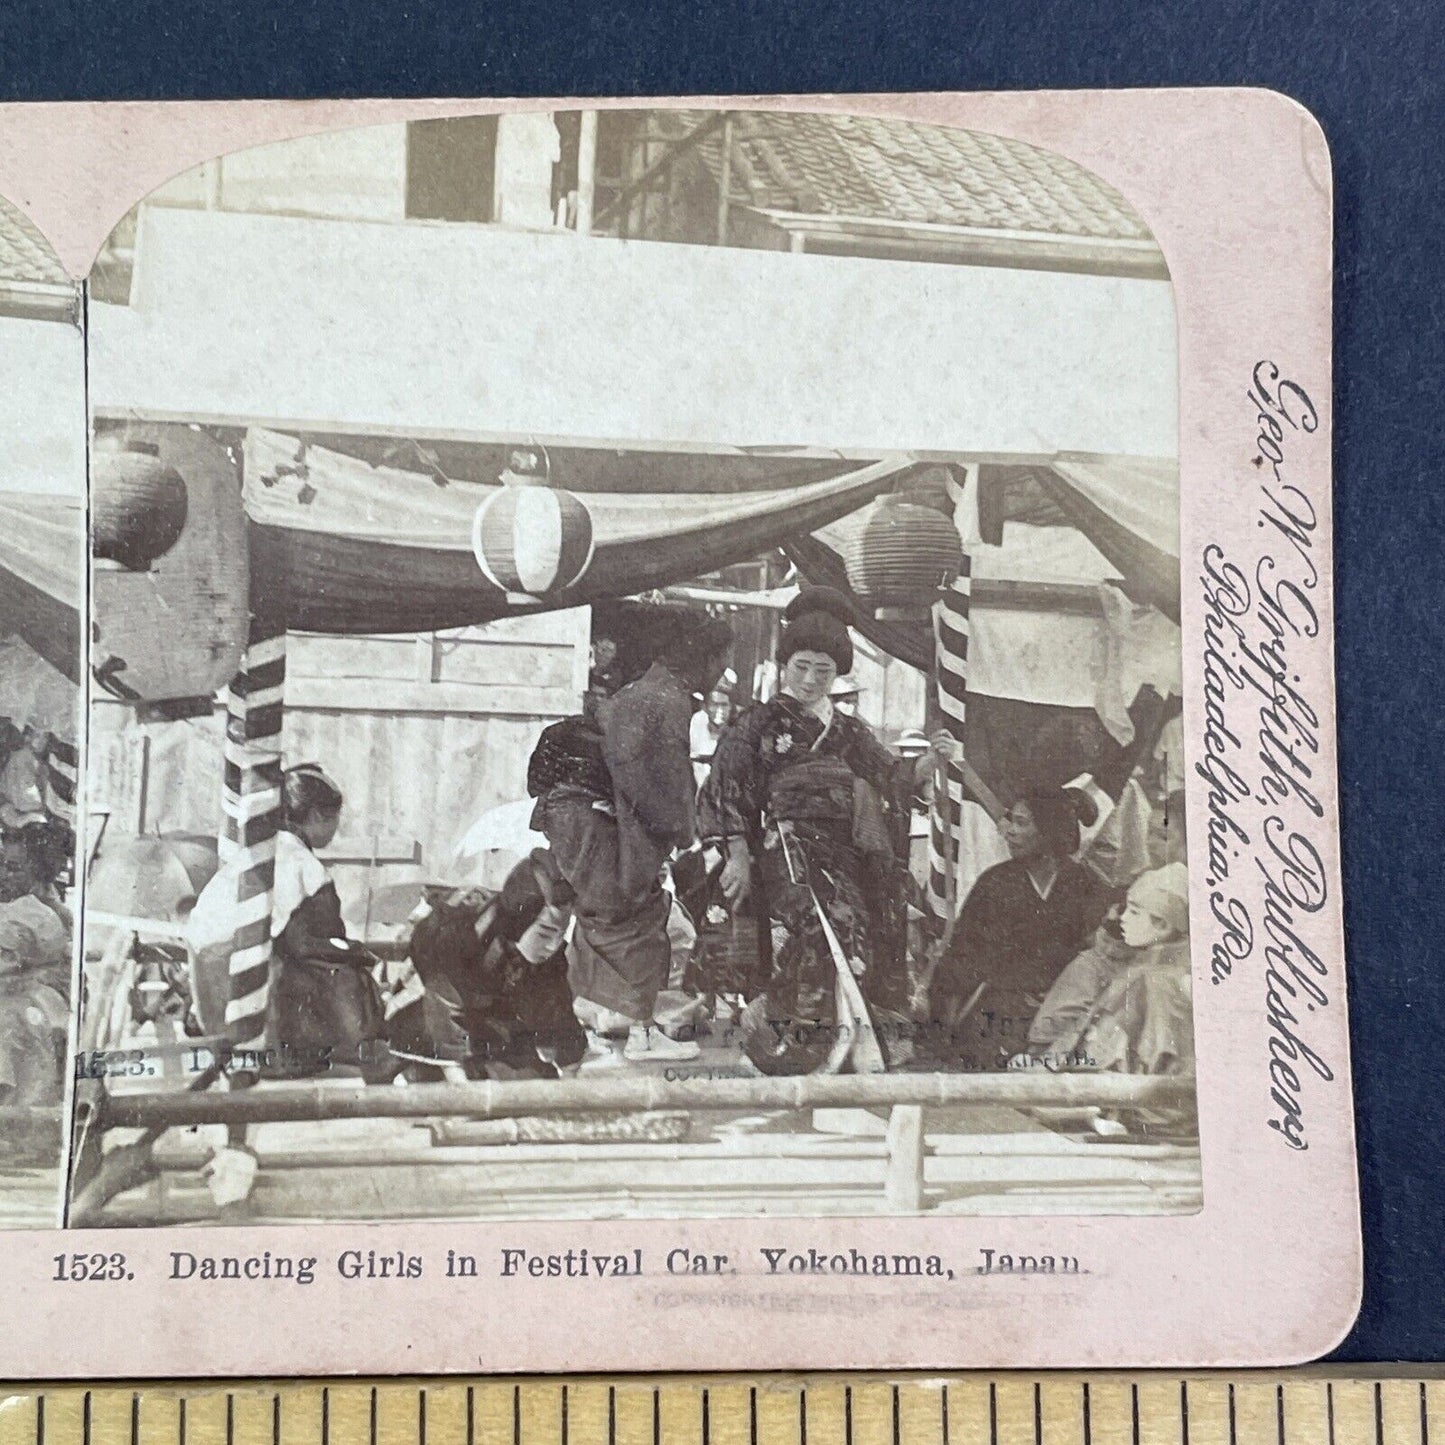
325 1008
325 1003
1123 1005
1020 925
811 813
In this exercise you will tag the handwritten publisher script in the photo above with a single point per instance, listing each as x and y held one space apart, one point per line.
1265 818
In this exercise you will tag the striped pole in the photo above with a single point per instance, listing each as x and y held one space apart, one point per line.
951 671
252 806
62 763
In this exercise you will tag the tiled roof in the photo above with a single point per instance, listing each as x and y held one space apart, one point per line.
902 171
25 255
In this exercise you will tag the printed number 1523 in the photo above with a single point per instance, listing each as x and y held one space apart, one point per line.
74 1268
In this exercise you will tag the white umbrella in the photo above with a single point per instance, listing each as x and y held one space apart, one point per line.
504 829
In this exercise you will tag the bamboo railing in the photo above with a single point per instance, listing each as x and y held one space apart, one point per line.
497 1100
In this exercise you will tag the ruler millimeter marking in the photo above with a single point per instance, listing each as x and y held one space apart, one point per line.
1264 1408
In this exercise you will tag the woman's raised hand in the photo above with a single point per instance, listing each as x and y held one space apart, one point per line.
946 748
943 747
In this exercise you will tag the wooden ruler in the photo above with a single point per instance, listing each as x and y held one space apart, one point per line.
1286 1407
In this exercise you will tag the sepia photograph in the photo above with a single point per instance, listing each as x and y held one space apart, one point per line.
42 572
635 673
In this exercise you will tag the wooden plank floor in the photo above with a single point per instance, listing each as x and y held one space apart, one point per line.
999 1162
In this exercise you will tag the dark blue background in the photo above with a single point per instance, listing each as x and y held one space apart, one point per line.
1372 73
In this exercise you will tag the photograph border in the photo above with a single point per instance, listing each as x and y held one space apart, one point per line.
1240 308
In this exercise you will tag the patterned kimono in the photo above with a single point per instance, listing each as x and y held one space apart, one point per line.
823 810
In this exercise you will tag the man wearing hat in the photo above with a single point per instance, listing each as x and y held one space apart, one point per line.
913 744
708 724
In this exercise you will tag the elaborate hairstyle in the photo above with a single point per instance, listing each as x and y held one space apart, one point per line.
305 790
1057 814
816 620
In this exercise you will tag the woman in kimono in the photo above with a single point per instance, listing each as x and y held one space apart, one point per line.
1021 924
326 1005
325 1008
613 809
810 812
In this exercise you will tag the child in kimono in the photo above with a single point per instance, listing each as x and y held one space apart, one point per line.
325 1008
1123 1004
325 1002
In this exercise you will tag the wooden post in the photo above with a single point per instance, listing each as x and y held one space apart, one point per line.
252 805
143 786
903 1182
586 171
725 179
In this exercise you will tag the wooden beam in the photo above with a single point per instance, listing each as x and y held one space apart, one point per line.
1011 596
725 178
487 1100
586 172
384 848
454 699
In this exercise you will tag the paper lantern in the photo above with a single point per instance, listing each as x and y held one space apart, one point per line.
902 555
138 504
176 631
531 539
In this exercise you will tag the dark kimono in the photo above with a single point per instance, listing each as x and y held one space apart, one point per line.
1015 943
823 811
489 1006
326 1007
611 850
